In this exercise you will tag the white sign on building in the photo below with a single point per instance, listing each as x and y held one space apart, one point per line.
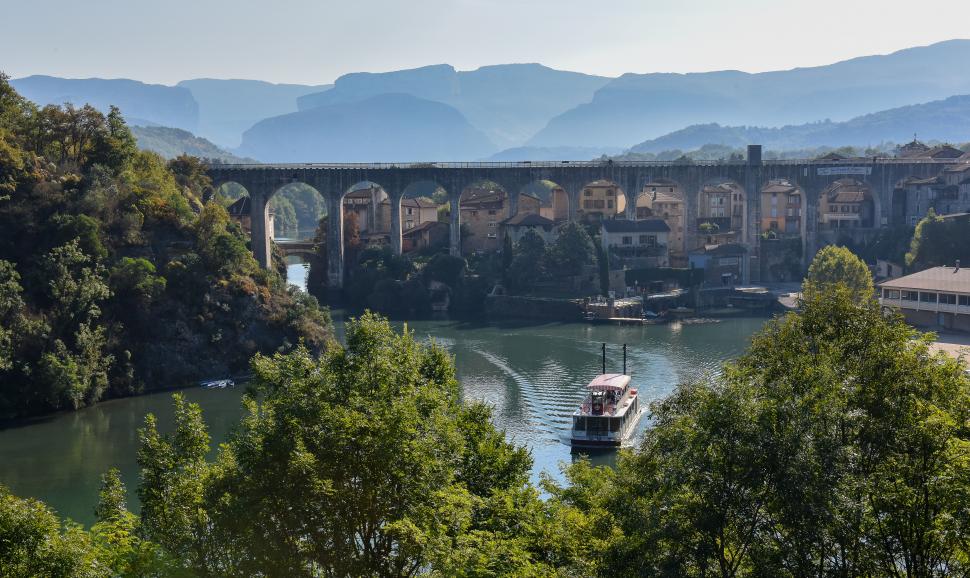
829 171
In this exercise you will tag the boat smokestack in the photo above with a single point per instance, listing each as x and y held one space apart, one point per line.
604 358
624 359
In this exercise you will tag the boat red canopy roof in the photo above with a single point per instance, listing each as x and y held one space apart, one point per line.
609 382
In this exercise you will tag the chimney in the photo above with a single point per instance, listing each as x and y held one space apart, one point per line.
957 268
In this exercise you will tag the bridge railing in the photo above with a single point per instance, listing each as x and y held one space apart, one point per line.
581 164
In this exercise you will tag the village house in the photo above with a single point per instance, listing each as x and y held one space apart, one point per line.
636 244
846 204
516 227
601 200
721 218
665 200
781 208
919 150
481 212
935 297
551 204
427 235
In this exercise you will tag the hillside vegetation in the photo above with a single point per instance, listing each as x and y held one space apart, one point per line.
115 278
173 142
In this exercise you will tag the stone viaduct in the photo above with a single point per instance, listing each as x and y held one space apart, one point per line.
334 181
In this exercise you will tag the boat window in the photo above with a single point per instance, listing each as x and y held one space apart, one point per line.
580 424
614 424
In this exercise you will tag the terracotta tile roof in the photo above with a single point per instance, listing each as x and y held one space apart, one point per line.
848 197
778 188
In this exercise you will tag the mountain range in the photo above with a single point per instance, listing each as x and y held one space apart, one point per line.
945 120
523 111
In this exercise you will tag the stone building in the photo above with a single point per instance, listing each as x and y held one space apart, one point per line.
665 200
781 209
637 243
721 217
846 204
481 212
516 227
600 200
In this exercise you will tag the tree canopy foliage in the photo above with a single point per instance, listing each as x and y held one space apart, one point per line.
115 277
837 267
938 241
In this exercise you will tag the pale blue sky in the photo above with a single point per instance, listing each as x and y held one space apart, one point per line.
314 41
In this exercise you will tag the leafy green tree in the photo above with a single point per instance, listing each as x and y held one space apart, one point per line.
572 250
14 323
528 264
835 266
363 462
833 447
939 242
33 542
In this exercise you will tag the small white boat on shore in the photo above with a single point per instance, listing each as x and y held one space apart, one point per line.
218 384
610 412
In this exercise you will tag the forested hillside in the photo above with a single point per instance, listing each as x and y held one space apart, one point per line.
115 277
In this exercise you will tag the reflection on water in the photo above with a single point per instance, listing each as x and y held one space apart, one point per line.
296 272
532 375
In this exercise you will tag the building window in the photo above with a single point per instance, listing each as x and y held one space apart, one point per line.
493 235
627 240
491 224
964 300
409 225
587 193
910 296
610 193
598 204
492 211
648 240
609 204
891 293
409 211
774 212
925 297
948 299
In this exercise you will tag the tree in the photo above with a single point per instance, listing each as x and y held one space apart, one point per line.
939 242
833 447
837 266
572 250
34 543
363 462
528 264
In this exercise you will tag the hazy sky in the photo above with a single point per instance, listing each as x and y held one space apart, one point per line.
314 41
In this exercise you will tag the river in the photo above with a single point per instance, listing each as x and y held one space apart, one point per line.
532 374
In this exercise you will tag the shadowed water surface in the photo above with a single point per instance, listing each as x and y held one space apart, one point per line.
533 376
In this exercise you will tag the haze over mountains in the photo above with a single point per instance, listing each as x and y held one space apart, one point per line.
529 111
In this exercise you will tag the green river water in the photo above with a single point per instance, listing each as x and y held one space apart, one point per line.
533 374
